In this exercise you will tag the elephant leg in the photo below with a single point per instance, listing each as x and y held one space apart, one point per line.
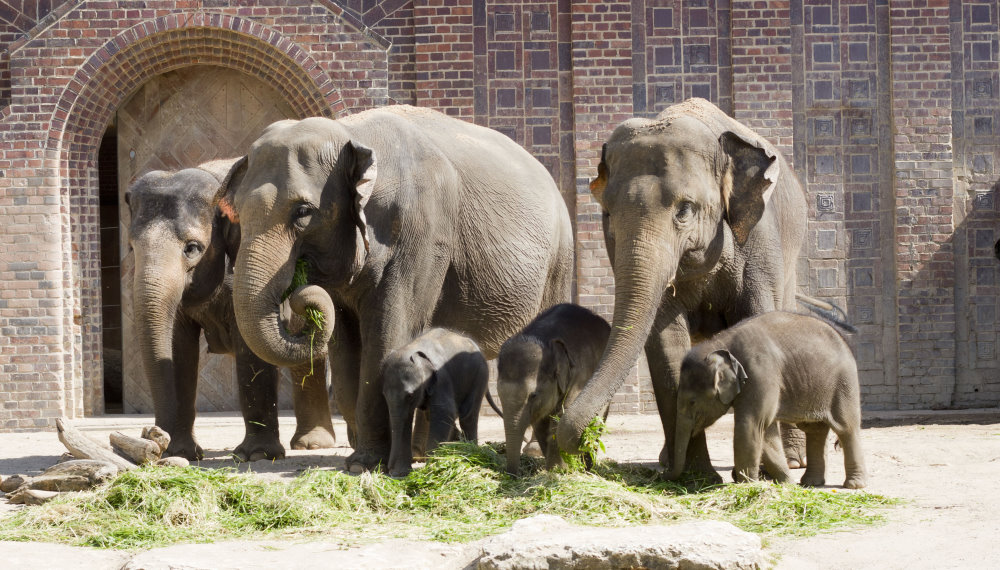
816 432
345 370
442 414
185 353
374 436
854 460
773 455
794 442
748 447
313 421
421 428
550 450
665 349
258 391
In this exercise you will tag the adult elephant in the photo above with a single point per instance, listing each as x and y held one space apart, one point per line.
703 220
183 287
407 219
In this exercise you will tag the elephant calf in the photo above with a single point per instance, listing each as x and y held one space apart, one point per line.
776 366
542 369
442 376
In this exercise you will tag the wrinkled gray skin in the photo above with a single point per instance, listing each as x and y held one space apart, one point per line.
182 288
541 370
442 376
776 366
703 221
407 219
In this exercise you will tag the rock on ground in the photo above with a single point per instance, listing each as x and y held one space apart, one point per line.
547 541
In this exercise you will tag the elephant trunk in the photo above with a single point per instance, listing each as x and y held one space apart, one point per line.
643 268
264 269
682 436
515 426
401 454
156 298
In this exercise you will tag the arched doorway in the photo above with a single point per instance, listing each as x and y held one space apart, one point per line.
176 120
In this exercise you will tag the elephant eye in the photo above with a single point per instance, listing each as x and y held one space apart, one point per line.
684 209
192 249
302 214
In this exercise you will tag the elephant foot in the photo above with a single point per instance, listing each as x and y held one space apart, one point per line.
811 480
793 440
855 482
318 437
367 460
185 447
259 446
699 468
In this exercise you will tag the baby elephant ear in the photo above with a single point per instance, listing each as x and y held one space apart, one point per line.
564 362
749 183
729 377
361 171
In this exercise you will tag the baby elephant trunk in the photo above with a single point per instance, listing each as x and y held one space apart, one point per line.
682 438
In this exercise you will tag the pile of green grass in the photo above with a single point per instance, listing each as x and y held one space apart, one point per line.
463 493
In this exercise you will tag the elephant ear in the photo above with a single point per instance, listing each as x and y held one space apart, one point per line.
729 378
563 361
227 190
598 184
361 169
748 183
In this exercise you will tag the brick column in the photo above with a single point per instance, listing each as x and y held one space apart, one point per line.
444 56
925 259
602 98
762 69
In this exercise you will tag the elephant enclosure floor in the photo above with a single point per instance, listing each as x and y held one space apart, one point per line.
944 465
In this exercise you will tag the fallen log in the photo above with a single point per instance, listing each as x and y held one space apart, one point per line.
26 496
156 434
137 450
82 447
12 483
172 461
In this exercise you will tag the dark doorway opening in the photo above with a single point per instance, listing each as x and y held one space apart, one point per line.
111 310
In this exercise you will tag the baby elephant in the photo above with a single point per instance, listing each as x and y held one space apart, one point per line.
541 370
774 367
443 375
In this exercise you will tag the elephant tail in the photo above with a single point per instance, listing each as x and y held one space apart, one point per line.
827 311
493 404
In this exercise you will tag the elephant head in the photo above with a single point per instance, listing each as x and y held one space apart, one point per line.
299 193
180 243
676 192
534 380
708 387
407 384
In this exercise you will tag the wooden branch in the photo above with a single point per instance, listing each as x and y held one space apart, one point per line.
136 449
26 496
157 435
172 461
83 447
11 484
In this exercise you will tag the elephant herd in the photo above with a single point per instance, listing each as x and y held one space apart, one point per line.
422 246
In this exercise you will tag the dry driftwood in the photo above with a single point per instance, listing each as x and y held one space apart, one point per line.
138 450
85 448
95 472
12 483
26 496
173 461
156 434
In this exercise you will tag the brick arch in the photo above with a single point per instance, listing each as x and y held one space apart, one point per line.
87 106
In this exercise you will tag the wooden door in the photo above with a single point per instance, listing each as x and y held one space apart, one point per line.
179 120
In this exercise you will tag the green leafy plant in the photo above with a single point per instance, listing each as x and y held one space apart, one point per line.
590 443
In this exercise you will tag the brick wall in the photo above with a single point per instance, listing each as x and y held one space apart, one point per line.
889 112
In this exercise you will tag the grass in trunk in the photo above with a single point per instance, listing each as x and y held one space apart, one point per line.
314 317
462 493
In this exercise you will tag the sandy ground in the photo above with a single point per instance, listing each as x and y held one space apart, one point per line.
944 465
